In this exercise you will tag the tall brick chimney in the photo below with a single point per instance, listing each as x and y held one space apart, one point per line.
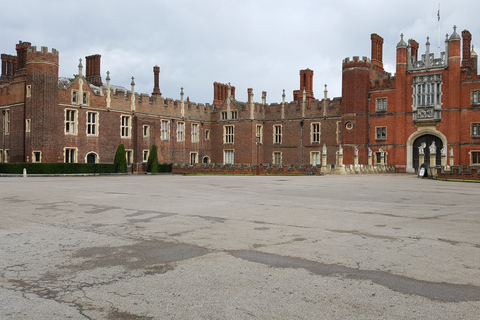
306 83
156 81
414 48
8 68
377 51
466 53
22 48
92 74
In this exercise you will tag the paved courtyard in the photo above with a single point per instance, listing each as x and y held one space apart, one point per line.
239 247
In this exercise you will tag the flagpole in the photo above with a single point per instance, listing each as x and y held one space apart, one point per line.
438 41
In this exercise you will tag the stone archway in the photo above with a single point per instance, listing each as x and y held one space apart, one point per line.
92 157
425 131
425 142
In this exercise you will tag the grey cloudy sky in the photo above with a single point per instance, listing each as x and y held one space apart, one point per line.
260 44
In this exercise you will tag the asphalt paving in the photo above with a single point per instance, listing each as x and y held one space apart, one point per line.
379 246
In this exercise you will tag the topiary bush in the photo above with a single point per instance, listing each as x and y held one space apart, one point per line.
120 161
152 162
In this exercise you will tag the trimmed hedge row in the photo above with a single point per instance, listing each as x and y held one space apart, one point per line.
56 168
164 167
67 168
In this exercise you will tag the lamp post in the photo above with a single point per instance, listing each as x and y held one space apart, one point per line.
257 140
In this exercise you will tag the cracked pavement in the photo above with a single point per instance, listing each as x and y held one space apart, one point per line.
239 247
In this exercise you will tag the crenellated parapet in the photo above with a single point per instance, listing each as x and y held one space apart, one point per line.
356 62
382 84
42 55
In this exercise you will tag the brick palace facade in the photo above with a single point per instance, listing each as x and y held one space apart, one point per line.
427 112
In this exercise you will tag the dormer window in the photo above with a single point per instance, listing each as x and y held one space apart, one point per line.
224 115
74 96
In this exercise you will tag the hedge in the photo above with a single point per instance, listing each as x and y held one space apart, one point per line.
56 168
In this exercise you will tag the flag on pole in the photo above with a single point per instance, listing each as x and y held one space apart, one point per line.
438 14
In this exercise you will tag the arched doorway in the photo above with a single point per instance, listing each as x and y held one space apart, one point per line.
91 158
425 142
206 160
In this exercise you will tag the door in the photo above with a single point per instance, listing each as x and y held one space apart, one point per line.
427 141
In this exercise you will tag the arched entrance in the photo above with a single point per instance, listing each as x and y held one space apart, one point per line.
91 158
425 142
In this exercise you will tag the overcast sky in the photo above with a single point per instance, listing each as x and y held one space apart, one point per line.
259 44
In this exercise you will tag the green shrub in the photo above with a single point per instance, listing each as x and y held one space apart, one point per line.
164 167
152 162
120 161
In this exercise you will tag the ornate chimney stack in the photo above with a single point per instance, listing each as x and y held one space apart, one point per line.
306 83
466 45
156 81
92 74
377 51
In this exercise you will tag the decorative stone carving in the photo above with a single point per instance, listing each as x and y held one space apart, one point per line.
340 150
433 148
451 152
356 152
421 148
443 151
369 152
324 149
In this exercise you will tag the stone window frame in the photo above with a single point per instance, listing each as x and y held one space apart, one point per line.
70 155
475 97
129 156
229 134
318 155
315 132
475 129
146 154
223 115
228 156
34 156
164 130
92 124
277 134
195 158
234 114
381 133
146 131
195 132
86 99
277 158
28 125
125 126
6 121
259 132
71 121
381 104
474 157
74 97
207 134
180 131
5 153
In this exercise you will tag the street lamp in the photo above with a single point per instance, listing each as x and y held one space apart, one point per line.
257 140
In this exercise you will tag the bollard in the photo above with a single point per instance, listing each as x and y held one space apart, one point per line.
24 172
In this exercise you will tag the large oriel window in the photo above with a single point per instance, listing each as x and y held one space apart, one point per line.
427 96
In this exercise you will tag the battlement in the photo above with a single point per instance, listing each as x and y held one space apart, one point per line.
381 84
43 50
356 62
